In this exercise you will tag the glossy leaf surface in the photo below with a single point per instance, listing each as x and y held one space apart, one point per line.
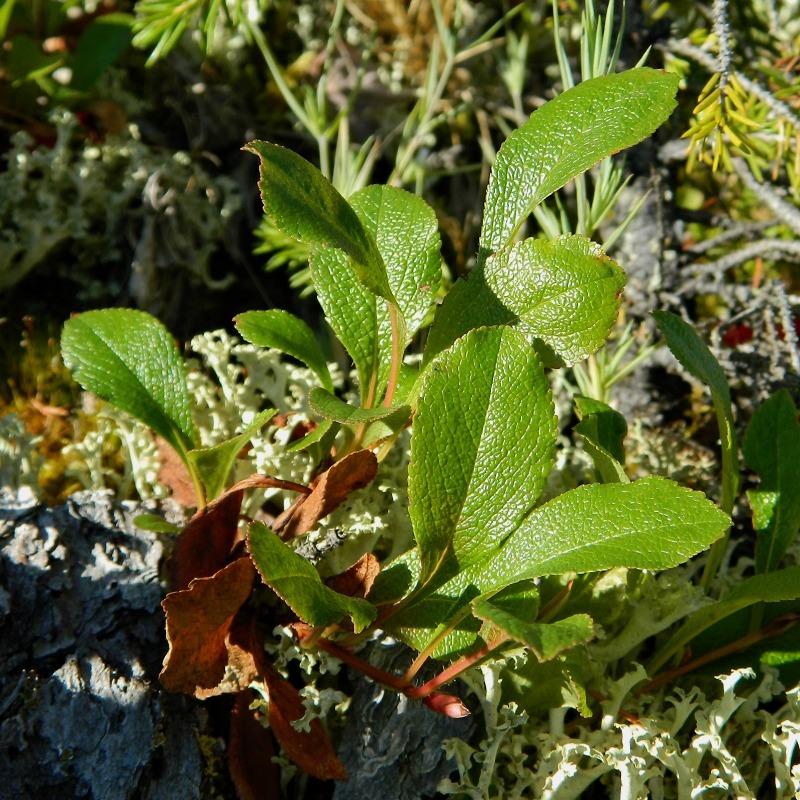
562 295
482 446
297 582
289 334
129 358
565 137
304 204
651 524
406 231
331 407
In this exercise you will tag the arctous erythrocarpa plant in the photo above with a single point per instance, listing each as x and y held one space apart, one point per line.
483 430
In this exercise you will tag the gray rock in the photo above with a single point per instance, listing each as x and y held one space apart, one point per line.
391 744
81 644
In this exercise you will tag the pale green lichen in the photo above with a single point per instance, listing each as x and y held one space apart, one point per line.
679 747
81 211
19 459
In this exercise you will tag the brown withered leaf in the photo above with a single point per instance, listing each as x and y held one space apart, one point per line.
356 581
250 752
244 662
199 620
204 546
246 659
174 474
353 472
312 751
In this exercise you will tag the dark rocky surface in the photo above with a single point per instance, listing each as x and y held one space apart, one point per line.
391 745
81 644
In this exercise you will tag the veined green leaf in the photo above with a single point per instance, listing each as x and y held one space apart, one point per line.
407 235
565 137
304 204
384 428
298 584
213 464
563 295
352 312
482 445
129 358
546 640
331 407
771 447
325 433
772 587
289 334
651 524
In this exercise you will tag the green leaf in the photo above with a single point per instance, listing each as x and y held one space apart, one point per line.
565 137
772 587
304 204
352 312
298 584
603 431
129 358
213 464
563 295
326 428
483 441
406 230
771 448
381 429
693 353
650 524
331 407
289 334
407 236
546 640
6 11
102 42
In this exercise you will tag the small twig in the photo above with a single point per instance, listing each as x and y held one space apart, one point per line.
765 248
738 230
775 628
722 29
766 193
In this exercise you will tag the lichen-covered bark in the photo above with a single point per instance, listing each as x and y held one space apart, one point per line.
82 639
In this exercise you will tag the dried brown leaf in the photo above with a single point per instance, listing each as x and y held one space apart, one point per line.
353 472
204 546
312 751
250 753
174 475
356 581
199 620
